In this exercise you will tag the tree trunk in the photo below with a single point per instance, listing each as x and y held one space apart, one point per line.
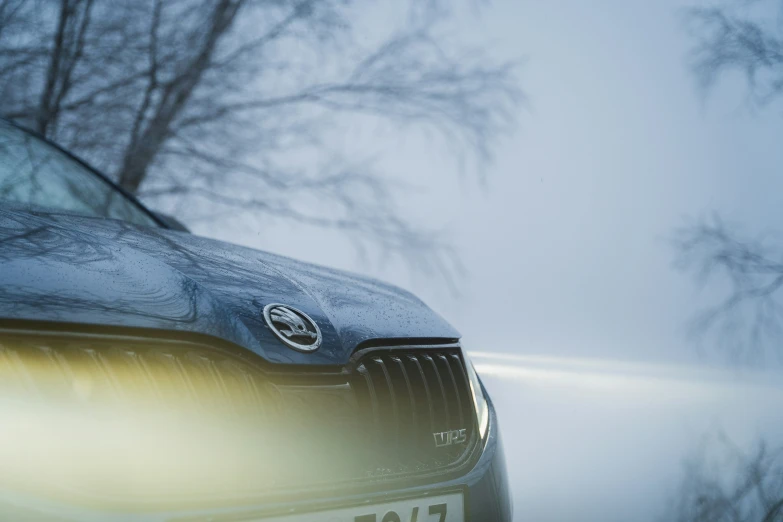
43 118
142 151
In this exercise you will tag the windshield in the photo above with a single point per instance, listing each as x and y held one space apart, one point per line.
34 173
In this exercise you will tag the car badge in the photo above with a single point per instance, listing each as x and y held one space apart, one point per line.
447 438
293 327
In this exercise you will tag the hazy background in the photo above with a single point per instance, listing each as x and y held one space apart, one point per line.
566 244
568 296
567 253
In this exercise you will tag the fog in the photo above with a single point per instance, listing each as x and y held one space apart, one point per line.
570 292
603 440
566 244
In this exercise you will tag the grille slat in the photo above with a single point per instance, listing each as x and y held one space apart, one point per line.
443 396
454 389
427 393
462 376
414 420
372 396
394 418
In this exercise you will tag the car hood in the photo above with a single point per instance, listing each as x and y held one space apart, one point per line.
68 269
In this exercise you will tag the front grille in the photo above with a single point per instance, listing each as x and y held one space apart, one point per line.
412 398
263 429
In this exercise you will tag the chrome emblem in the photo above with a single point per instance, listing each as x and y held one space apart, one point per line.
447 438
293 327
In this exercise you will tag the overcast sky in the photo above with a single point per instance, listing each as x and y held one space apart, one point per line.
566 246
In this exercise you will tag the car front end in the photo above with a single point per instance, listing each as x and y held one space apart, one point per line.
150 374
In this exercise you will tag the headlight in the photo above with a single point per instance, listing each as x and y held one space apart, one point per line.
479 402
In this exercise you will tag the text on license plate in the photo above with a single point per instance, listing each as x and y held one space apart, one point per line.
441 508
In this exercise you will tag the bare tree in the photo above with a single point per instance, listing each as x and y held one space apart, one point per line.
747 321
740 36
746 37
725 483
232 104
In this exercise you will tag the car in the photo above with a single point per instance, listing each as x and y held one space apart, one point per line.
149 372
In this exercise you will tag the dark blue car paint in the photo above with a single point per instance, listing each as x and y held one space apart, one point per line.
62 268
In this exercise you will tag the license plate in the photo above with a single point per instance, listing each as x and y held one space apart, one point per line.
441 508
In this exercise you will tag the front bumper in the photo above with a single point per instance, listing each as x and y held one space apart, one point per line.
485 489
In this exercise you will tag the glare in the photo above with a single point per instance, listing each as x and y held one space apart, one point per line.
631 381
81 432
